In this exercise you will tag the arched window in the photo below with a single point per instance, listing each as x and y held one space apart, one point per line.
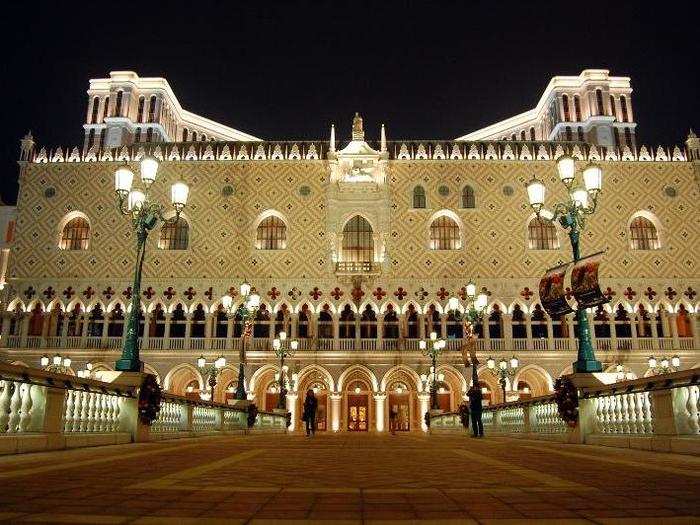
271 234
468 198
118 104
174 235
577 107
532 133
91 138
643 234
444 234
75 234
522 134
569 136
194 136
628 137
542 235
184 135
613 109
599 101
623 106
579 132
565 103
419 197
149 135
137 135
105 111
358 245
142 103
152 109
95 109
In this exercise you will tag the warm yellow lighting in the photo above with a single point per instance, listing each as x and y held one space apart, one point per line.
453 303
226 302
179 192
123 178
135 200
149 170
471 289
481 301
593 177
580 197
535 193
566 168
245 288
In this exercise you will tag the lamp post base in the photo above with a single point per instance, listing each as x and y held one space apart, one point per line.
129 365
240 388
587 366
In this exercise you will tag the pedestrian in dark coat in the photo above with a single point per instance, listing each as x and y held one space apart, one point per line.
476 409
309 414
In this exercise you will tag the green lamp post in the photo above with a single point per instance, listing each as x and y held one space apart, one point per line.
582 201
145 215
247 311
433 350
504 370
282 351
473 313
211 372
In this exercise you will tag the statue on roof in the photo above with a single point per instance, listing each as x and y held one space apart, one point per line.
357 131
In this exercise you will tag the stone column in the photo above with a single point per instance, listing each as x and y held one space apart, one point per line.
207 325
24 329
423 408
421 326
380 330
64 331
379 402
674 329
166 330
654 331
105 329
146 329
633 330
188 330
292 409
528 331
335 411
84 329
695 326
550 331
443 326
507 330
336 330
294 326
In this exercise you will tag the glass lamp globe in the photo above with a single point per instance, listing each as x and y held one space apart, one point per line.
580 197
399 390
283 336
422 344
88 366
619 368
481 301
245 288
535 194
44 360
471 289
593 177
226 302
123 178
675 361
491 363
294 345
503 364
57 360
664 362
149 170
443 343
179 192
357 390
441 377
652 362
135 200
453 303
201 362
66 362
423 377
220 362
566 168
276 344
433 336
514 362
441 390
295 376
315 389
254 301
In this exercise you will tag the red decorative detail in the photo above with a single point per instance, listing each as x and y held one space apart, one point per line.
169 293
68 292
609 293
149 292
49 293
274 293
568 293
127 293
400 293
379 293
670 293
209 294
88 292
650 293
357 294
442 294
629 293
29 292
337 293
315 293
233 291
421 294
109 292
190 293
527 293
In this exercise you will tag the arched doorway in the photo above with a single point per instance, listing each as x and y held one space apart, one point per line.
400 405
358 397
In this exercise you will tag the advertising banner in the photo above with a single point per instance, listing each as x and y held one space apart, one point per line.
584 282
552 296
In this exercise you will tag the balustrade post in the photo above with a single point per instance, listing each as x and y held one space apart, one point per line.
219 418
188 330
207 325
528 414
528 332
188 418
663 417
379 402
50 415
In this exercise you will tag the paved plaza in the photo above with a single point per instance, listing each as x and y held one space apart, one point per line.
350 477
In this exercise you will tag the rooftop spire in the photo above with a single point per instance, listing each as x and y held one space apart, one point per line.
332 137
357 131
383 140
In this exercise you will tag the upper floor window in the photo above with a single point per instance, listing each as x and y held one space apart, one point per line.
569 136
105 110
142 103
271 234
194 136
579 132
358 242
149 135
613 109
532 133
184 135
643 234
174 235
152 109
628 137
542 235
468 198
623 106
577 107
599 101
444 234
118 104
419 197
75 235
565 103
137 135
522 134
95 110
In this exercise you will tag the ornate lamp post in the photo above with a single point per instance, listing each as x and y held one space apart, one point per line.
211 372
433 349
87 372
505 369
57 364
282 351
248 310
664 365
145 215
582 201
474 312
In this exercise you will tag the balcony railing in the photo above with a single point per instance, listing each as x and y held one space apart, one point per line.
355 267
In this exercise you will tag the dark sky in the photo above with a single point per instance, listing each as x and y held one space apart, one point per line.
286 70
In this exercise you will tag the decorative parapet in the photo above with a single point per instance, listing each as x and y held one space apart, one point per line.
397 150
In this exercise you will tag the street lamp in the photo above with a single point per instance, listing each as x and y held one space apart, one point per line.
433 349
248 310
506 368
57 364
145 215
211 372
283 351
664 365
87 372
474 312
582 201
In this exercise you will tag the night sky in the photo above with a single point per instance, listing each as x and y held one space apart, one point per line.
288 70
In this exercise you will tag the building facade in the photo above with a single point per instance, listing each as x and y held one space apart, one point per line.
355 246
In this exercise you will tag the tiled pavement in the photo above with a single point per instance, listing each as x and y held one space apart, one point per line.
350 477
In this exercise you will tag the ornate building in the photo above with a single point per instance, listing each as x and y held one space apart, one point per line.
355 247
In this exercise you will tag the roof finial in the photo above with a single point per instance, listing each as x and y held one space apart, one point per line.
332 137
357 131
383 139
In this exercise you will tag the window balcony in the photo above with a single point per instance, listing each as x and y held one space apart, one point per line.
357 267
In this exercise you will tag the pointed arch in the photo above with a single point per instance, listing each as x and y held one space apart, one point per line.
305 372
33 304
15 303
180 375
363 370
445 231
404 369
416 306
536 377
260 372
54 303
74 231
644 229
271 231
116 302
385 305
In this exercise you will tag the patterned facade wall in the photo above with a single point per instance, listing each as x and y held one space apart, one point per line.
222 228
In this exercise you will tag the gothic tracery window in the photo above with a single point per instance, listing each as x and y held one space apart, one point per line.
419 201
444 234
643 234
271 234
468 198
542 235
75 234
358 245
174 235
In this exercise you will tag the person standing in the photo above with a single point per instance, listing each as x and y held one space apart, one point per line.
309 414
476 409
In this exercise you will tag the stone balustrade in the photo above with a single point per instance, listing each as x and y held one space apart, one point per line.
655 413
42 410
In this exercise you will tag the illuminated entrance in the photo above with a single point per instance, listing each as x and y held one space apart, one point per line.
399 404
358 408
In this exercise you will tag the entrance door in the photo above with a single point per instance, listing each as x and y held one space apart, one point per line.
321 411
400 404
444 401
271 401
358 413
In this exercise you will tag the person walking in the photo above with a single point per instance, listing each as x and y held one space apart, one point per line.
476 409
309 414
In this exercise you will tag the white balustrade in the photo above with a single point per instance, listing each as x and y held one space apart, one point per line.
16 403
205 419
544 418
170 417
626 413
91 412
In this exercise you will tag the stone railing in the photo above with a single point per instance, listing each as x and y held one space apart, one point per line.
42 410
657 413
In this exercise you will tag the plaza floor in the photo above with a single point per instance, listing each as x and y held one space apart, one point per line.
351 478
